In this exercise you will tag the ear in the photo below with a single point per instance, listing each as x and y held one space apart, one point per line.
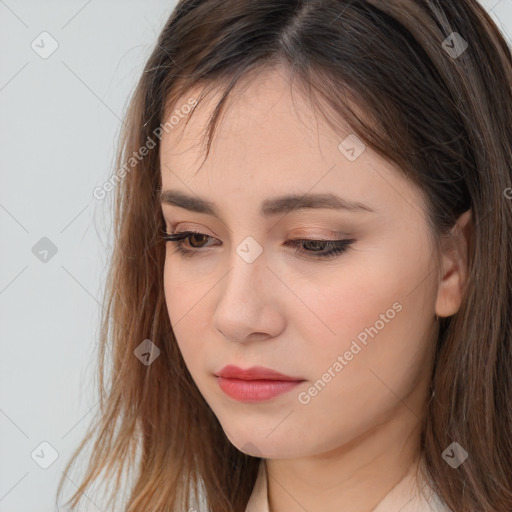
454 266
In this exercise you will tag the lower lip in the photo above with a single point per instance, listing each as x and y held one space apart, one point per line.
255 390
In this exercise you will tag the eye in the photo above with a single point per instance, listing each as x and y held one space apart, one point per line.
320 248
178 239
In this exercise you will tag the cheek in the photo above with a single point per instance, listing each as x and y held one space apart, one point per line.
184 290
351 326
184 299
383 288
370 327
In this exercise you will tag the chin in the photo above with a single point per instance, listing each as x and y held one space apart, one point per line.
266 447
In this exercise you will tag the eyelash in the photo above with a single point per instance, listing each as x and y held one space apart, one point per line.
337 246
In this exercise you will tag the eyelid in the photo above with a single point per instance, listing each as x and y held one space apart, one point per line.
335 237
328 234
184 226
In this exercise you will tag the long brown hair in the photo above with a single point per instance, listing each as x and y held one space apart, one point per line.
440 110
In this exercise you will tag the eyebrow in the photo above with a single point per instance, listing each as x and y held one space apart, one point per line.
269 207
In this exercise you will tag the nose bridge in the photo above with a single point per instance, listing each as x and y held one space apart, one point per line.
248 271
244 294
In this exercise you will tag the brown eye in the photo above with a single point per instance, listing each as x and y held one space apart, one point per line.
308 248
195 236
317 249
178 239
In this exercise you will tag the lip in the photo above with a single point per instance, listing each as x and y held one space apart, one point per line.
254 384
253 373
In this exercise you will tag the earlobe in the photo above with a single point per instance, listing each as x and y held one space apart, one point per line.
454 266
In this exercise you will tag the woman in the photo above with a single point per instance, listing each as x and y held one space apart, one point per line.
318 316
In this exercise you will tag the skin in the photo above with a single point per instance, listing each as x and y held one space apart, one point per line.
353 441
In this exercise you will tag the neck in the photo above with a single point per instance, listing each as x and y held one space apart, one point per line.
355 477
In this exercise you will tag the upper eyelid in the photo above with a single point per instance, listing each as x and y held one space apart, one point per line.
171 226
298 236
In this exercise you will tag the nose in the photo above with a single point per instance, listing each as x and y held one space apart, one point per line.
247 304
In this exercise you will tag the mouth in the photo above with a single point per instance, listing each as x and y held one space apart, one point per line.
254 384
254 373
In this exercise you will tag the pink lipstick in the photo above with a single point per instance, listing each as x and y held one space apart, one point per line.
254 384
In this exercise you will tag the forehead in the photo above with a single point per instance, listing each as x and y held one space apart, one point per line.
270 139
263 113
264 119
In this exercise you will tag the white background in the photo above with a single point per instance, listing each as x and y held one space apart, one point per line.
59 123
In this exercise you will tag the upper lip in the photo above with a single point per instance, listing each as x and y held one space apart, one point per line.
253 373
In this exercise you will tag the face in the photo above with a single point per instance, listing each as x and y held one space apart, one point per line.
341 299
